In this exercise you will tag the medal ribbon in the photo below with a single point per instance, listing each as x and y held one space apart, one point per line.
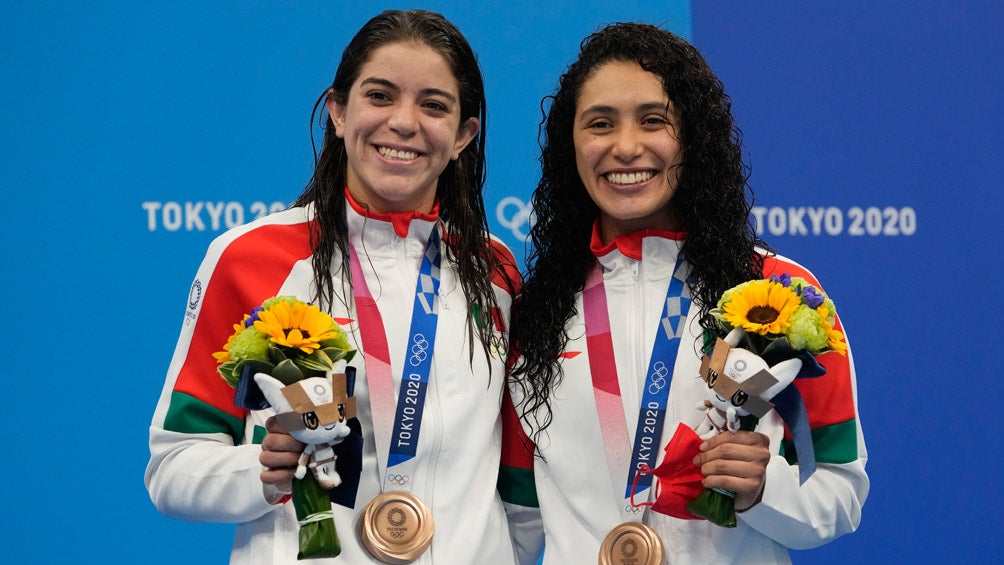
399 437
606 388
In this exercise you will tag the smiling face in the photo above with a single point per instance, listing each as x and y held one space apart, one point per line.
627 148
401 125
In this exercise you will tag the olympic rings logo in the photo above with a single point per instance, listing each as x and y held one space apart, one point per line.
497 346
398 479
658 377
633 510
513 214
419 350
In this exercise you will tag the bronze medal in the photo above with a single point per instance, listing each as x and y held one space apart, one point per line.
396 527
631 543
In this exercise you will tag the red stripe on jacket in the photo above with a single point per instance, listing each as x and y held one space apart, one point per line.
251 269
829 398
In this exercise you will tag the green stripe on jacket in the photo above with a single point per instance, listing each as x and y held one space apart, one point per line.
189 415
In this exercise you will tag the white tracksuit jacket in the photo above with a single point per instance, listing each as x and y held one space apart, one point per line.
578 501
204 451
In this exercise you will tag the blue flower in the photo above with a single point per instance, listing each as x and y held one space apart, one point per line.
254 317
784 279
812 298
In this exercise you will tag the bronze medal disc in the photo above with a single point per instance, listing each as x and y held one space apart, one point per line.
396 527
631 543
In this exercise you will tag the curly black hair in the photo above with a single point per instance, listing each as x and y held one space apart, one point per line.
460 185
712 203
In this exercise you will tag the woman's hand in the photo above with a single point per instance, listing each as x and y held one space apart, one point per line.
736 462
280 453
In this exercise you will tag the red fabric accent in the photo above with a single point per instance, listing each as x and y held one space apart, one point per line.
400 220
250 270
679 479
629 245
603 367
776 266
498 320
829 398
569 354
517 449
506 274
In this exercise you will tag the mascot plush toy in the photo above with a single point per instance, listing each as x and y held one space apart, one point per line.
739 384
315 411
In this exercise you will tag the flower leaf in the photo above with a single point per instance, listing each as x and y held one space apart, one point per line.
337 353
258 366
316 361
229 372
287 372
276 355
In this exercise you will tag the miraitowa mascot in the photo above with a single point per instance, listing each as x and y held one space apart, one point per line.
315 411
740 383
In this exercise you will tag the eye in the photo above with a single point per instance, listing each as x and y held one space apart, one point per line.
739 398
600 125
436 106
378 97
655 120
341 412
310 421
712 378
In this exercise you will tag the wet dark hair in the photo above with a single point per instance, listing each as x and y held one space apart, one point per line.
712 202
460 185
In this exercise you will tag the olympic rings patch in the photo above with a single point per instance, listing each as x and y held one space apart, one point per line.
419 350
398 479
657 380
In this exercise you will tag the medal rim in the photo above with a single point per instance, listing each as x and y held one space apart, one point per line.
386 550
656 555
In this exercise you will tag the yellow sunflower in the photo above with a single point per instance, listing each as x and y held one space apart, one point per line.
834 337
762 307
224 356
297 325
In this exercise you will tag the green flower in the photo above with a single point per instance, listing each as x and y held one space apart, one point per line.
249 344
807 330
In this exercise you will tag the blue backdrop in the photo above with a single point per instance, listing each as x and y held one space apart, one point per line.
133 134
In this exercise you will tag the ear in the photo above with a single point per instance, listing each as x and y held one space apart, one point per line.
785 373
336 112
272 389
465 135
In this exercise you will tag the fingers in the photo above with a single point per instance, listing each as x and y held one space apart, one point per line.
280 453
736 462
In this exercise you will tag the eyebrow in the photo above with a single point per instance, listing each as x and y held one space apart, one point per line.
647 107
424 92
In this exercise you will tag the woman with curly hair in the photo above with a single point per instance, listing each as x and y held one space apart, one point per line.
390 238
642 222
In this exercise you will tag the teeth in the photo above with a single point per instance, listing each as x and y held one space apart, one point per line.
629 178
395 154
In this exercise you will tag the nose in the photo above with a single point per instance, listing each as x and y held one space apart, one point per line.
627 144
404 119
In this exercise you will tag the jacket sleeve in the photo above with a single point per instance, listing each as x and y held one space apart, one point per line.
203 458
517 488
829 503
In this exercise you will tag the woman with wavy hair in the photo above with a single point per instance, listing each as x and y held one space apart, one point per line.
642 222
390 238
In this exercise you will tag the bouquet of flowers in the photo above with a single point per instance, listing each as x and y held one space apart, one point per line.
778 319
782 313
291 341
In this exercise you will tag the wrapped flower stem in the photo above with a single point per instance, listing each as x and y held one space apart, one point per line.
318 537
718 506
